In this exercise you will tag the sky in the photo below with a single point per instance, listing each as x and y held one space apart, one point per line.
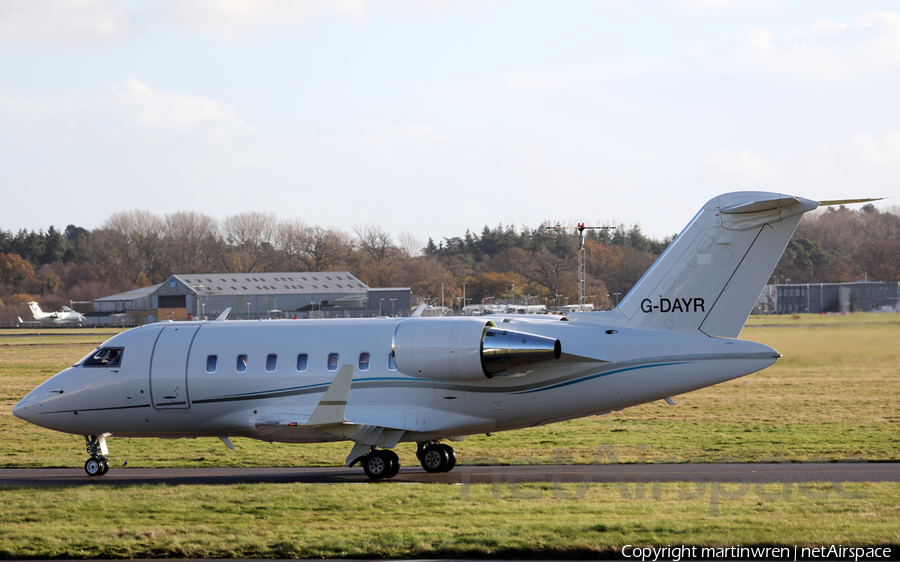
432 117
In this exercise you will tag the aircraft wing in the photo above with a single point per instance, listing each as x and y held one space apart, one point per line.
370 426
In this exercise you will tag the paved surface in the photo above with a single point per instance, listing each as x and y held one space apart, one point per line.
736 472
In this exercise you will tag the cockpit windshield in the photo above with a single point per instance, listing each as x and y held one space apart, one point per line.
103 357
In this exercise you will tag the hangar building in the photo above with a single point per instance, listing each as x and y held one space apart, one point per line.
817 298
257 295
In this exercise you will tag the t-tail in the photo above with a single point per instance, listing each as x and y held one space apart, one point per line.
710 277
36 310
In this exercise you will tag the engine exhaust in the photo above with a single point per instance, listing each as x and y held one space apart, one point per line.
502 350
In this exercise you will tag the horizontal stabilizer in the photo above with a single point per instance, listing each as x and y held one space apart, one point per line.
848 201
757 206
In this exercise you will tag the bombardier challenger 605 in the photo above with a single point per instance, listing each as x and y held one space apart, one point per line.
380 382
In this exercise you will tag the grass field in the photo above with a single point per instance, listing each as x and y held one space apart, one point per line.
834 395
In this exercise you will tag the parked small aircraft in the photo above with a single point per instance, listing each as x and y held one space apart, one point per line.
379 382
64 316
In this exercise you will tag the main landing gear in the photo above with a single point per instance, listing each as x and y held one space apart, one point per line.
97 465
436 457
380 464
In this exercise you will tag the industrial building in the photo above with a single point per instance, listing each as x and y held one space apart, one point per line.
252 295
817 298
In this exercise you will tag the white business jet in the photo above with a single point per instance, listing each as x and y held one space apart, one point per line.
379 382
64 316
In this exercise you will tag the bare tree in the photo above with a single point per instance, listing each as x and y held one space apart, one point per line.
190 236
409 244
132 243
313 248
374 241
251 238
290 241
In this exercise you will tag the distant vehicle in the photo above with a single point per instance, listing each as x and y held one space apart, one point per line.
64 316
380 382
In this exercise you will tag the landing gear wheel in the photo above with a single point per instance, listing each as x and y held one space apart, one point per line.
435 458
451 455
378 465
94 466
97 465
395 463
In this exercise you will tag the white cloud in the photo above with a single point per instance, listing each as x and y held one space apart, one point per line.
717 4
133 114
742 165
64 23
869 47
67 23
819 28
878 152
529 81
389 138
170 110
233 19
230 19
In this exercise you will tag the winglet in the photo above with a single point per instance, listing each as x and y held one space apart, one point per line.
224 315
333 405
418 311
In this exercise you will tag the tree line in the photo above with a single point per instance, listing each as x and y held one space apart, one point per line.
137 248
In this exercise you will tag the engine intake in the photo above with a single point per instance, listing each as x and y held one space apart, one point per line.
466 349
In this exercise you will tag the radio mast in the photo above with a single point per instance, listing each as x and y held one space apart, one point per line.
582 273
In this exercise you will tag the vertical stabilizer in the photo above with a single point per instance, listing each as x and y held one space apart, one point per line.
710 277
36 310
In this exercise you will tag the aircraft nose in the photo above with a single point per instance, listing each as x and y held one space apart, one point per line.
20 410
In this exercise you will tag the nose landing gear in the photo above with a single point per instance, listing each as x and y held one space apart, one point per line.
97 465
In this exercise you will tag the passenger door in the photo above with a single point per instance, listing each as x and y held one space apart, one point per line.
168 368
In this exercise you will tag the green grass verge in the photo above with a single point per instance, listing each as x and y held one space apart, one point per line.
431 521
833 396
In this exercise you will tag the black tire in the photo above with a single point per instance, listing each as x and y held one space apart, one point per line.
377 465
395 463
93 466
105 464
435 458
451 455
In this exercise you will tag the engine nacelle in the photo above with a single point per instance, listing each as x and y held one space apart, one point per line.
465 349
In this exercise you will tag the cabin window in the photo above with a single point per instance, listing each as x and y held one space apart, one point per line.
392 362
271 361
332 361
211 363
104 357
241 364
363 361
301 362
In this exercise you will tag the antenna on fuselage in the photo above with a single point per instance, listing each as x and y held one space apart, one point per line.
224 315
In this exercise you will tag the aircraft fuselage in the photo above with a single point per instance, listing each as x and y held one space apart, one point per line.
189 379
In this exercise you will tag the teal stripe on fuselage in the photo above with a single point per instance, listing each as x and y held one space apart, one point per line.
614 371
